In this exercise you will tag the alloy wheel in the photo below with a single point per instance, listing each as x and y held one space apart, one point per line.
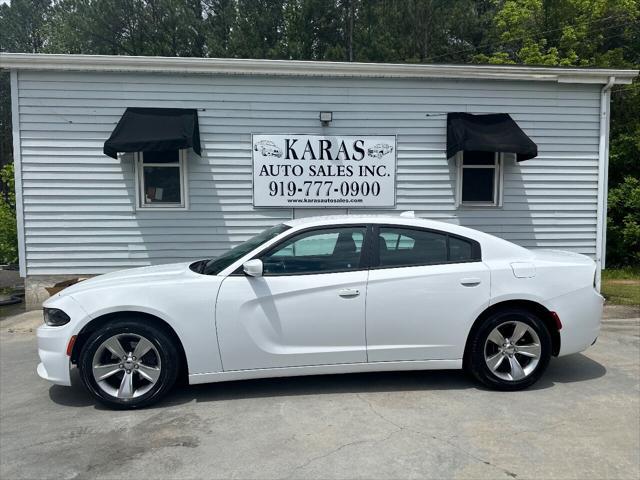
126 365
512 351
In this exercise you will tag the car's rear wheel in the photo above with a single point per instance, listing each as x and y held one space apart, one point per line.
129 364
510 350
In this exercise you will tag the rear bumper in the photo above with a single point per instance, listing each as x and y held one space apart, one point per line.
581 314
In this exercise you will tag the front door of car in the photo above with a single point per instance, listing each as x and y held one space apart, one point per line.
308 307
425 289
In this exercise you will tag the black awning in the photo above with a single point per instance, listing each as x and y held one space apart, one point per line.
154 130
488 133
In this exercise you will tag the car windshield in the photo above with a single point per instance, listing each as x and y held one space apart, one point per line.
216 265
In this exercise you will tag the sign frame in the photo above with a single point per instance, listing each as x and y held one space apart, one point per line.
348 207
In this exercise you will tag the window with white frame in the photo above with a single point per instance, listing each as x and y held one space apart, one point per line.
161 179
479 179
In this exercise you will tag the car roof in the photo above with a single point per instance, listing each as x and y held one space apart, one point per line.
493 247
405 219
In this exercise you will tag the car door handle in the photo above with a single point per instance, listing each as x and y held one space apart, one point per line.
470 282
349 292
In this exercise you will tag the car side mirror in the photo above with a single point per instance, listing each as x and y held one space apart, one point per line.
253 267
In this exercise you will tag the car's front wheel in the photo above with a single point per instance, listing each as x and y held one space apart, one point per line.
510 350
128 364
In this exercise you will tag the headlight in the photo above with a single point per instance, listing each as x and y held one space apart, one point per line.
55 317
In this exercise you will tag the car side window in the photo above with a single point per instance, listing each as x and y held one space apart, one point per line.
404 247
318 251
460 250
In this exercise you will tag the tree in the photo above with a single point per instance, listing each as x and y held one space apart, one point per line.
563 32
8 226
315 30
23 25
259 29
219 20
623 229
128 27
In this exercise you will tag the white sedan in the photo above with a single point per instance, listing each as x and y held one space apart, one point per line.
320 296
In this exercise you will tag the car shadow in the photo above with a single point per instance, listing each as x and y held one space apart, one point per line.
570 369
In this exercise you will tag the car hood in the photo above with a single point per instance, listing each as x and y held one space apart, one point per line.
133 276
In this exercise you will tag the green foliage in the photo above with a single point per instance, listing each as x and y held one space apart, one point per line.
8 227
624 156
127 27
623 233
5 120
565 32
23 25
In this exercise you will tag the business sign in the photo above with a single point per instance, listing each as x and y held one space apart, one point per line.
298 171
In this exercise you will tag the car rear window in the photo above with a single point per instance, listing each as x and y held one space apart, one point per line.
404 247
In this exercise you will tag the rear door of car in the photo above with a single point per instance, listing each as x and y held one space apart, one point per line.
425 289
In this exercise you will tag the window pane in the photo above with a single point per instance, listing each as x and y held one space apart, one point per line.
478 158
412 247
395 241
459 250
216 265
390 240
358 238
161 184
169 156
319 251
477 184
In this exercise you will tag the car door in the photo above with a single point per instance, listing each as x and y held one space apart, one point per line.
425 289
307 308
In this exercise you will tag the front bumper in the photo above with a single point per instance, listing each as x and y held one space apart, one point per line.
55 365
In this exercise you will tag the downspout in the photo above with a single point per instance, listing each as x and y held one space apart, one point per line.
603 177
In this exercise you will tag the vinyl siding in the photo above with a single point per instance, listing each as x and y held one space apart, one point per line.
79 205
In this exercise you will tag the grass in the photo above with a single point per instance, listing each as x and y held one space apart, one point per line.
621 286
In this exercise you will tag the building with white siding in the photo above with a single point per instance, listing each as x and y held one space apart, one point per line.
82 212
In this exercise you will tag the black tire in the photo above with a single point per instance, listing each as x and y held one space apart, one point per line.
164 347
476 364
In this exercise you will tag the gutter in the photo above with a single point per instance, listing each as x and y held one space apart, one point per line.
305 68
603 177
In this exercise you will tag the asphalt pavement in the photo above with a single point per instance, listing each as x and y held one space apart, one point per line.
581 421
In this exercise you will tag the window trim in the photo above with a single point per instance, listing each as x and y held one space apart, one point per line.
476 249
365 252
184 183
498 181
370 259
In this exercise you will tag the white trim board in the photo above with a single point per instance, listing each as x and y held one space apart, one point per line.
17 166
235 66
